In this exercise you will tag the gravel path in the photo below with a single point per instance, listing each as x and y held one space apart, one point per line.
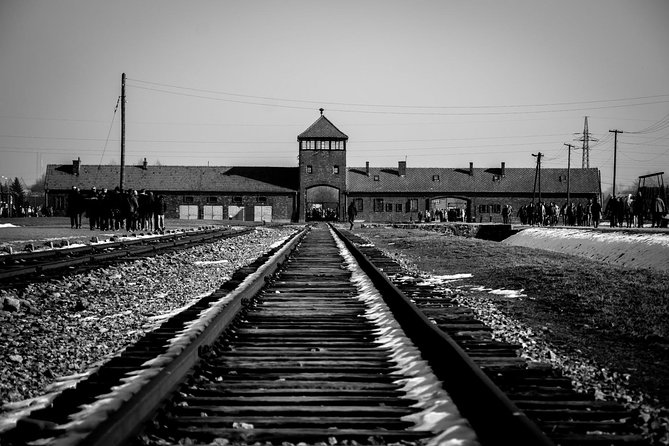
73 324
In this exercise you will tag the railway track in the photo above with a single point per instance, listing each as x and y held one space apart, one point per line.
309 345
28 265
546 396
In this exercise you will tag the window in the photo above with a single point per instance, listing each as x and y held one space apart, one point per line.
389 207
60 202
212 199
189 200
412 205
490 208
335 170
324 145
336 145
310 169
376 178
237 200
398 207
261 199
307 145
378 205
358 204
435 177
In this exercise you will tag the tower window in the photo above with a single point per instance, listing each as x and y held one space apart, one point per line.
376 178
324 145
435 177
307 145
335 170
310 169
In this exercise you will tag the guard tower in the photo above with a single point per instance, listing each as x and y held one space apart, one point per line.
322 166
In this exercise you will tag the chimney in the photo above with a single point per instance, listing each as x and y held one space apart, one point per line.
402 168
367 168
76 164
503 169
471 169
145 164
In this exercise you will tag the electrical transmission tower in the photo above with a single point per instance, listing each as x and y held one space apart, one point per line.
585 139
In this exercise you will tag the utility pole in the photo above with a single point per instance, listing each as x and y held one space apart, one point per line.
569 147
537 174
122 129
615 153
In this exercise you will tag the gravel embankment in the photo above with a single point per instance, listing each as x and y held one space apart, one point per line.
69 325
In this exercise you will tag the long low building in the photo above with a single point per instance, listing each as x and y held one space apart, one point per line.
322 186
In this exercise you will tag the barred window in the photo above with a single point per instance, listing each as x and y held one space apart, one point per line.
358 204
212 199
389 207
310 169
398 207
378 205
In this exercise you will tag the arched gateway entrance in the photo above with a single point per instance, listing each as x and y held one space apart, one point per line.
322 204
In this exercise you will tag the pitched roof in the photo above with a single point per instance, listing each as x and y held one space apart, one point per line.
458 181
176 178
322 129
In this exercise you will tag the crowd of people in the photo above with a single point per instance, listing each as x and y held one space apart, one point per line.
116 210
621 211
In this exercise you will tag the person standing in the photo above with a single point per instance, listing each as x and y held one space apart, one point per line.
639 209
596 212
352 212
159 208
74 207
659 209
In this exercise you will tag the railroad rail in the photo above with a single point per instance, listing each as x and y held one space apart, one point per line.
312 343
33 263
546 396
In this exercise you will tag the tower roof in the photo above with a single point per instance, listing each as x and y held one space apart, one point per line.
322 129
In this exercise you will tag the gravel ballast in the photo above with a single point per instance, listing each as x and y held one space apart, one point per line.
70 325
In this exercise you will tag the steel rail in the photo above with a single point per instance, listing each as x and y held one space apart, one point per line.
121 426
63 258
494 417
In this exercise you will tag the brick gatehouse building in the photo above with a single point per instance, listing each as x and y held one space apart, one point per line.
322 185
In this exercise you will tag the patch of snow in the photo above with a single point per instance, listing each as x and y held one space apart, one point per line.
437 412
7 225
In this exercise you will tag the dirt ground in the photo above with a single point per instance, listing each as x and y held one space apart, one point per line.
615 316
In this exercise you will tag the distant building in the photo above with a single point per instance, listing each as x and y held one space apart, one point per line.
322 186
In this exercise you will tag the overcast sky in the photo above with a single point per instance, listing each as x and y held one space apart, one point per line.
438 83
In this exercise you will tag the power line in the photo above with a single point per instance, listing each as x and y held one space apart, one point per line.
349 104
265 104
